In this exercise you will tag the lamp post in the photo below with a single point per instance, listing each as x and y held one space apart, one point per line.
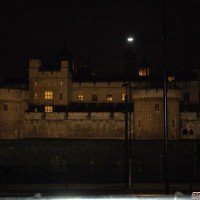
126 143
130 40
128 127
165 88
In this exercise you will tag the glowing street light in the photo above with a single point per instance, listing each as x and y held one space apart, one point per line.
130 39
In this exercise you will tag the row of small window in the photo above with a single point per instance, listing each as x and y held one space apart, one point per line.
187 132
36 83
94 98
48 95
46 109
80 97
5 107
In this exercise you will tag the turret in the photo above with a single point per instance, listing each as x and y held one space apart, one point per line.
35 63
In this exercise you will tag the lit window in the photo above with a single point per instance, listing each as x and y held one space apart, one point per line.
5 107
94 97
61 83
80 97
48 95
36 83
157 107
109 97
123 96
144 72
171 78
48 108
35 110
36 95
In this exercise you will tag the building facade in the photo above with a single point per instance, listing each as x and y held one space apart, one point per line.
63 103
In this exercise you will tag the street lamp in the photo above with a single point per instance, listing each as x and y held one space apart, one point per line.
130 39
128 121
126 144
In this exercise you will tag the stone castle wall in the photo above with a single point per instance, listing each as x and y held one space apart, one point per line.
73 125
13 103
149 113
190 125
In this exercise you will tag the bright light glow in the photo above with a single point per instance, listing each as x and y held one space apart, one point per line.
130 39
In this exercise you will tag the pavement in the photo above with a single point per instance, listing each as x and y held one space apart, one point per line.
77 189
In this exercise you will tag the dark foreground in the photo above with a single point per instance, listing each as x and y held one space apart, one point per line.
60 190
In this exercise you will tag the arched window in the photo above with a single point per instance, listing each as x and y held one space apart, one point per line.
185 131
191 132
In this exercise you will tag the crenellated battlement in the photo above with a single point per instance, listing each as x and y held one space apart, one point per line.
155 93
14 94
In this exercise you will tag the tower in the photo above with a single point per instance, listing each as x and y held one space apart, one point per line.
149 113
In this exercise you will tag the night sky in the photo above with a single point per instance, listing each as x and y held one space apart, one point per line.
99 27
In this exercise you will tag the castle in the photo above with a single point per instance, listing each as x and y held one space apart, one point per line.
64 102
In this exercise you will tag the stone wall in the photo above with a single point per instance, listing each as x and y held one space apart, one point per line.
13 103
73 125
149 113
190 125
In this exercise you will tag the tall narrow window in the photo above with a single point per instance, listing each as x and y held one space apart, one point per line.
157 107
94 97
186 101
5 107
123 96
109 97
61 96
139 123
48 108
173 123
48 94
36 95
80 97
36 83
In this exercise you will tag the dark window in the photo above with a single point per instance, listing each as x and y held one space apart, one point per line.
157 107
94 97
191 132
61 96
173 123
186 101
185 131
5 107
139 123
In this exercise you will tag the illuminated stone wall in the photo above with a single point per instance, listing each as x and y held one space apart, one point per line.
190 126
57 81
73 125
101 89
149 114
13 103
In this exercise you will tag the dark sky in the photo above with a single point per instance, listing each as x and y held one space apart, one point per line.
100 27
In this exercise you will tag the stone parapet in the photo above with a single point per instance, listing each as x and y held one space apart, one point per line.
155 93
72 116
13 94
188 116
